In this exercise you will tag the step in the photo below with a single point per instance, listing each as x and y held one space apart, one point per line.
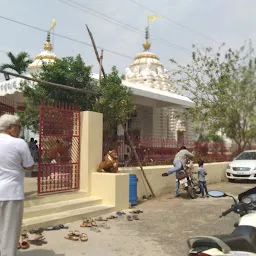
66 217
54 198
57 207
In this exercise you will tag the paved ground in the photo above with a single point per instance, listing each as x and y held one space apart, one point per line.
162 229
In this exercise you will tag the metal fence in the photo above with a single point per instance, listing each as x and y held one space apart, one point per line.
160 151
6 106
59 148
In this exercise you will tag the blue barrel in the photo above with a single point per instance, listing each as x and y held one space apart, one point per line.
133 189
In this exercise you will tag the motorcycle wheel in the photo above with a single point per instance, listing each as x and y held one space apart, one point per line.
191 192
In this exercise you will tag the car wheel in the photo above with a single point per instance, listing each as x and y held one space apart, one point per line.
231 180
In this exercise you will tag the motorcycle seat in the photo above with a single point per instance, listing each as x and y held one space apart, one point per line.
243 238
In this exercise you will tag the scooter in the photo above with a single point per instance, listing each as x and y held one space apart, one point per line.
188 182
242 241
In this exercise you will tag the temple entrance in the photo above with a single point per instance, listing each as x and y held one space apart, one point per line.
59 148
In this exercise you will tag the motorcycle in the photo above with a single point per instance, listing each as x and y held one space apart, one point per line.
188 182
242 241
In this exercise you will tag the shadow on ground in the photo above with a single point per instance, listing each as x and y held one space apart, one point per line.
39 253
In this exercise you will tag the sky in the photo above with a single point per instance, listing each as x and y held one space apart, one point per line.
118 26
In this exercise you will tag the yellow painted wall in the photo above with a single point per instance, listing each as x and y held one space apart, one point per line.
162 185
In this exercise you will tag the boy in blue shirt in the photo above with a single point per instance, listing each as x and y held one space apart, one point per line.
201 178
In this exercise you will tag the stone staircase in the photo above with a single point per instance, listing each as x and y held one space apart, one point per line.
61 208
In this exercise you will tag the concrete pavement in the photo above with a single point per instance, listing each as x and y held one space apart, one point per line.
162 229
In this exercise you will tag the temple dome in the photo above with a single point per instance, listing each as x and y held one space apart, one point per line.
46 56
147 70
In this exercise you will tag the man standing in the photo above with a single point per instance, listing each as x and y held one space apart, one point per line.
15 156
179 163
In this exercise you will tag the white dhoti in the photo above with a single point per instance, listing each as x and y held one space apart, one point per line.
11 213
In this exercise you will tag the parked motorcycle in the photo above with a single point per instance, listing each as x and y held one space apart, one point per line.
189 182
242 241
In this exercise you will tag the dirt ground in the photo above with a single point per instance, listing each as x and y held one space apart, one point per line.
162 230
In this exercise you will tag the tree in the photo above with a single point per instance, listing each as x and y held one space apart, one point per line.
223 87
18 63
67 71
115 103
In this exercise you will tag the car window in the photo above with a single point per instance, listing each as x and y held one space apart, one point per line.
247 156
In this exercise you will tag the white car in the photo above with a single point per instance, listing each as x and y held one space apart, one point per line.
243 167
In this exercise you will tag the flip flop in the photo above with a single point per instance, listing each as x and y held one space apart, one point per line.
76 233
104 225
37 231
86 223
83 237
95 229
101 219
130 218
24 244
112 217
57 227
136 217
71 236
120 213
136 212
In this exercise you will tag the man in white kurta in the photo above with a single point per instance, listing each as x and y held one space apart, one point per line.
15 156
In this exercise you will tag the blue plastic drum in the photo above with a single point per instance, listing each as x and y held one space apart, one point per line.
133 189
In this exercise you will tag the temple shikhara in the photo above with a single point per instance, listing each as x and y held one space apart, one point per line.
159 108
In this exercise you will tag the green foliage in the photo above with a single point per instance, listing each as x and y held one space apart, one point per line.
67 71
115 103
222 85
18 63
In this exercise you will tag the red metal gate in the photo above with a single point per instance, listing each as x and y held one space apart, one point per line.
6 106
59 148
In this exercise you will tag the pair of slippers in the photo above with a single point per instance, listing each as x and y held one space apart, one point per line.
75 235
132 217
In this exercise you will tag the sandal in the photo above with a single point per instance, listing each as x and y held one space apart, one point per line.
71 236
120 213
83 237
136 217
136 212
57 227
129 217
37 231
86 223
76 233
24 244
112 217
95 229
104 225
101 219
93 222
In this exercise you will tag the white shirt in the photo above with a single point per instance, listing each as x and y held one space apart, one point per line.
14 155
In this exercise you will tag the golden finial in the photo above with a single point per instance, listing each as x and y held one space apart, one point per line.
47 44
147 43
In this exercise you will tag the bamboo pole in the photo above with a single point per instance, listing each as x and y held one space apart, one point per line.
100 58
95 50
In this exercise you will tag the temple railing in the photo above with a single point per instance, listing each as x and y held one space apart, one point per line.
160 151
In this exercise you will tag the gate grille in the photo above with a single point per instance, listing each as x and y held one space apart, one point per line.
59 148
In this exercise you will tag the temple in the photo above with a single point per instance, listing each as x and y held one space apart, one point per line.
159 108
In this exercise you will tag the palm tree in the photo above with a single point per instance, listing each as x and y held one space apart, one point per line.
18 63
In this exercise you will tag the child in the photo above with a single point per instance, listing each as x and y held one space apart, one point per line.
201 177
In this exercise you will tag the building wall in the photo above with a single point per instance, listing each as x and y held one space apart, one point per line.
162 122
